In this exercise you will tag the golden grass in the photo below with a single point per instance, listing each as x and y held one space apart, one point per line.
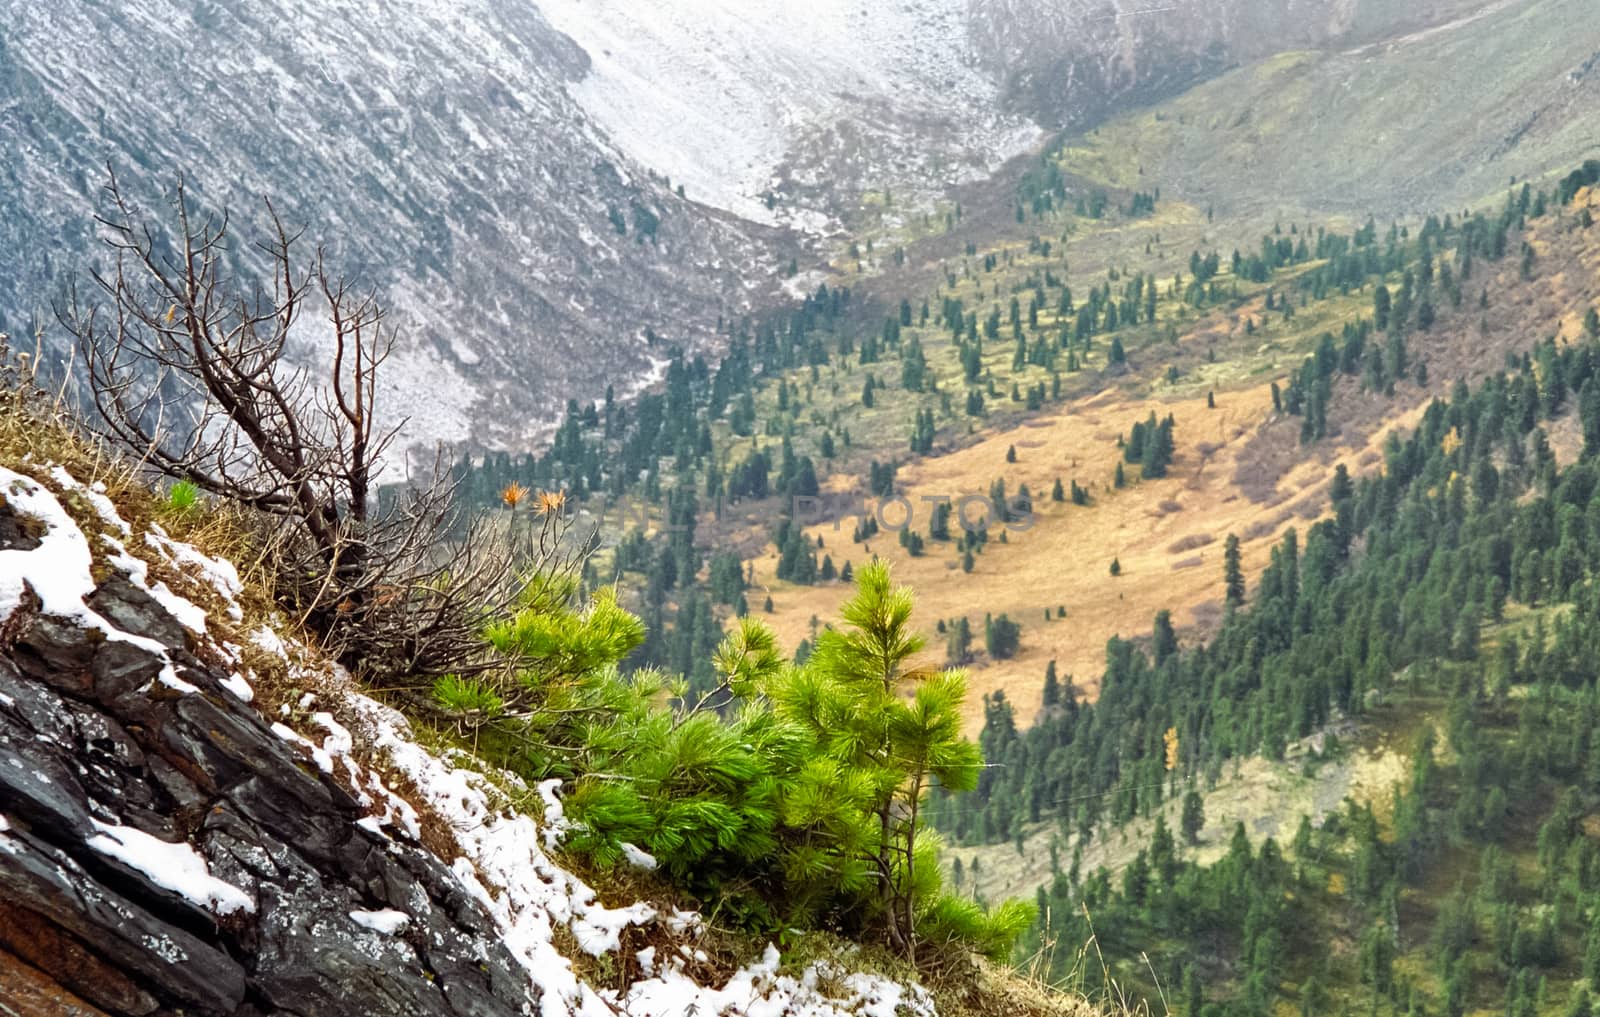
1154 529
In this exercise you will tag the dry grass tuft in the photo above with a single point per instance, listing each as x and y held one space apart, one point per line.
962 986
36 426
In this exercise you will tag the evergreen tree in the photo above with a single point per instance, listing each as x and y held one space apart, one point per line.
1194 817
958 647
913 366
1193 994
1232 572
1001 637
1164 641
889 735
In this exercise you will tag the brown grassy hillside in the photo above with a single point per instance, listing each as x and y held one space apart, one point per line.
1240 469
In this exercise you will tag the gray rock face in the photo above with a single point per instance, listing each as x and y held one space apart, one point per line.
87 743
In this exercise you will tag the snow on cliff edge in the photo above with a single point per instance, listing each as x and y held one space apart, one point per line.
505 861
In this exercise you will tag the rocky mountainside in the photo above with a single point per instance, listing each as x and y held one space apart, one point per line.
436 145
788 113
1069 65
1386 118
166 848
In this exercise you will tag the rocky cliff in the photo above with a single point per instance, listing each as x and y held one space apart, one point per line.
166 848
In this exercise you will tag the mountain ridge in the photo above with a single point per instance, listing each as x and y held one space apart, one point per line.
508 176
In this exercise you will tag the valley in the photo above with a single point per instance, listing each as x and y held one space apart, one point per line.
541 152
1111 490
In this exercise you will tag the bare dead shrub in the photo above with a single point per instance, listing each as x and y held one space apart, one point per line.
187 370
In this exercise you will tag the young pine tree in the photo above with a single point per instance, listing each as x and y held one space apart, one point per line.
1052 685
895 731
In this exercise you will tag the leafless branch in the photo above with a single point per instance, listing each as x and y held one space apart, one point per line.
190 367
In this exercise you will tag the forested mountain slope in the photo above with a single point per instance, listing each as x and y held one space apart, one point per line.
1448 603
1022 376
1392 494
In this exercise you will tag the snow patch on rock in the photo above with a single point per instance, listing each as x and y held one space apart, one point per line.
59 570
387 922
175 867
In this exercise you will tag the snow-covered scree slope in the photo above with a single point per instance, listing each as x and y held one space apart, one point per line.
164 845
809 104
